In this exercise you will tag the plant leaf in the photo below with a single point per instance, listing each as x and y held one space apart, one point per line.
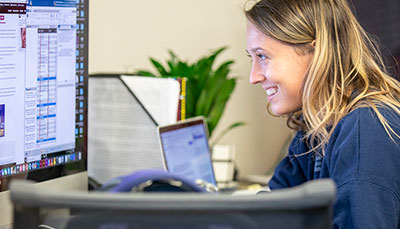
144 73
174 57
161 70
183 70
204 68
219 105
210 92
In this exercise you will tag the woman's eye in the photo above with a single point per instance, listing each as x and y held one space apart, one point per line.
261 57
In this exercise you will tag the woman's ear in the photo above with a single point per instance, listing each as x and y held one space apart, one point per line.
313 43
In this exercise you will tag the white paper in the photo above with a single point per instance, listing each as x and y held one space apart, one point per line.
160 96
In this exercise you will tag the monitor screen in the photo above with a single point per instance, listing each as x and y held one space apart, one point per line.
43 88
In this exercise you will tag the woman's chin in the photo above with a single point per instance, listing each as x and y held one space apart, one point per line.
279 111
283 109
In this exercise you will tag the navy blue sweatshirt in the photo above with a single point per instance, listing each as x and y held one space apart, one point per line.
364 163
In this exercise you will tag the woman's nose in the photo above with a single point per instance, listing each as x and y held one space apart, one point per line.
256 76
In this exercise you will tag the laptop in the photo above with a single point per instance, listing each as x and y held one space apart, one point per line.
185 149
186 152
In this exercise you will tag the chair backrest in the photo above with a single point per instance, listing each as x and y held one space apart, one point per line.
305 206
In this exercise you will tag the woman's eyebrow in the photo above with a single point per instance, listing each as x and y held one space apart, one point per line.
255 49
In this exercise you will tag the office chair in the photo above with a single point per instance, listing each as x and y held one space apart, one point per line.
305 206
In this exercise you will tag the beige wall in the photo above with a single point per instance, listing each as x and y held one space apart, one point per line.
124 33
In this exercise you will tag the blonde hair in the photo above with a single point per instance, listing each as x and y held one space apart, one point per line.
346 72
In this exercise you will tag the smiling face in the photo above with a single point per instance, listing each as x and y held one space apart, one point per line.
278 68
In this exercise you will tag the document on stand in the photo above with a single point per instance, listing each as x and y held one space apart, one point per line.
160 96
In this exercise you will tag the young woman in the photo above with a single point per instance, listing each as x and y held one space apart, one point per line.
321 70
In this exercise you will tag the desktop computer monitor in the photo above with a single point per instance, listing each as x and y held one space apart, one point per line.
43 89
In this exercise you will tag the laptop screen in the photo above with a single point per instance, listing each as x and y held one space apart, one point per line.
186 151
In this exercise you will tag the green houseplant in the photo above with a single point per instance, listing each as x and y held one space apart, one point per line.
208 87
